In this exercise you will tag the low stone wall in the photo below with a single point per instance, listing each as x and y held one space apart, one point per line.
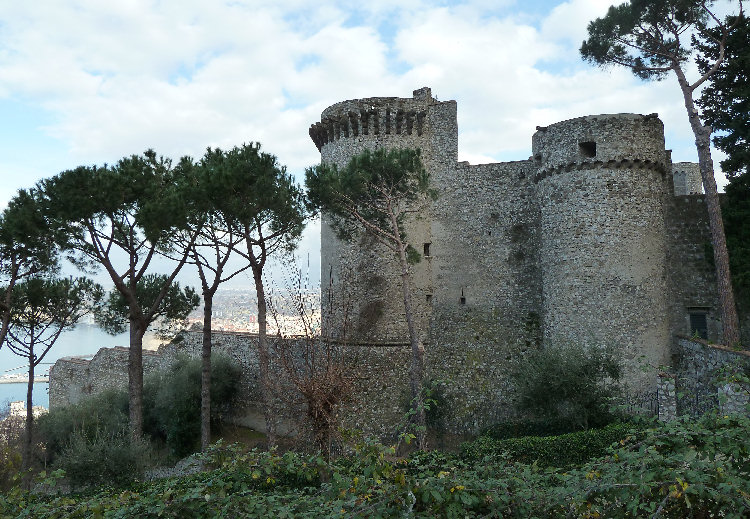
471 383
702 371
73 378
473 392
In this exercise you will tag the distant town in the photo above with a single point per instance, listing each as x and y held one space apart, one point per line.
236 310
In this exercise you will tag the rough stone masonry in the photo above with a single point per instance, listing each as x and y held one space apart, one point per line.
597 238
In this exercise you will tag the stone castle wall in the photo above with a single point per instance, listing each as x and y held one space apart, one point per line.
74 378
702 374
602 189
584 241
687 178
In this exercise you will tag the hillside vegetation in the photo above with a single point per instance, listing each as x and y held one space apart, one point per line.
685 468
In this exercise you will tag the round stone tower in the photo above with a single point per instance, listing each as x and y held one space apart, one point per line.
361 284
601 183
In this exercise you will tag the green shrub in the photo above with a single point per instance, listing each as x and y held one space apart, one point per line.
12 430
684 468
101 415
171 409
549 451
103 459
550 426
10 465
172 401
569 383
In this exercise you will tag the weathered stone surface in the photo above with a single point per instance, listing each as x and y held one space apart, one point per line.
584 242
704 372
596 238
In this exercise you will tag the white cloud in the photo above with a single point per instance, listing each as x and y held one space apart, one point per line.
115 78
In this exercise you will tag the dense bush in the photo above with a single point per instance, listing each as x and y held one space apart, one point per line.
99 416
11 437
549 426
103 459
569 383
550 451
172 401
676 470
89 440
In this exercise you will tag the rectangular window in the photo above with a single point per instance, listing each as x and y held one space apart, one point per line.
699 323
588 149
427 249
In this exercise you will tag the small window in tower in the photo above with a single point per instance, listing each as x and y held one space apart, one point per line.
698 323
463 300
427 249
428 297
588 149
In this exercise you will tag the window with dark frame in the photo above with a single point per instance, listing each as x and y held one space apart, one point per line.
588 149
427 249
698 323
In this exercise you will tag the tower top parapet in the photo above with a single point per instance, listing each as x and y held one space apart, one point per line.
373 116
606 138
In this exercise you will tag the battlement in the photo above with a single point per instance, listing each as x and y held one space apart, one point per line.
373 116
607 140
598 164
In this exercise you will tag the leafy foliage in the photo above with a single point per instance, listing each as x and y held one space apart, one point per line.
675 470
118 217
42 307
254 194
374 193
255 199
27 249
573 383
97 426
736 212
644 35
546 426
650 38
131 205
102 415
365 191
169 309
550 451
725 101
172 401
11 436
111 460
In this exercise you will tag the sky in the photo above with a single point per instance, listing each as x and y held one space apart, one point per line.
86 82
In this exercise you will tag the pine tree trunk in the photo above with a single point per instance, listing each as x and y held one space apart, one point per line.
729 320
264 359
5 325
135 380
29 416
416 371
206 372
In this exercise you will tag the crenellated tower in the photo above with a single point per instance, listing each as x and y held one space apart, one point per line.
595 239
363 267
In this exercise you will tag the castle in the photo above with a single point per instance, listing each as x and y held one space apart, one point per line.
597 238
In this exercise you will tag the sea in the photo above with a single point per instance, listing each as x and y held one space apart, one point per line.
84 339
